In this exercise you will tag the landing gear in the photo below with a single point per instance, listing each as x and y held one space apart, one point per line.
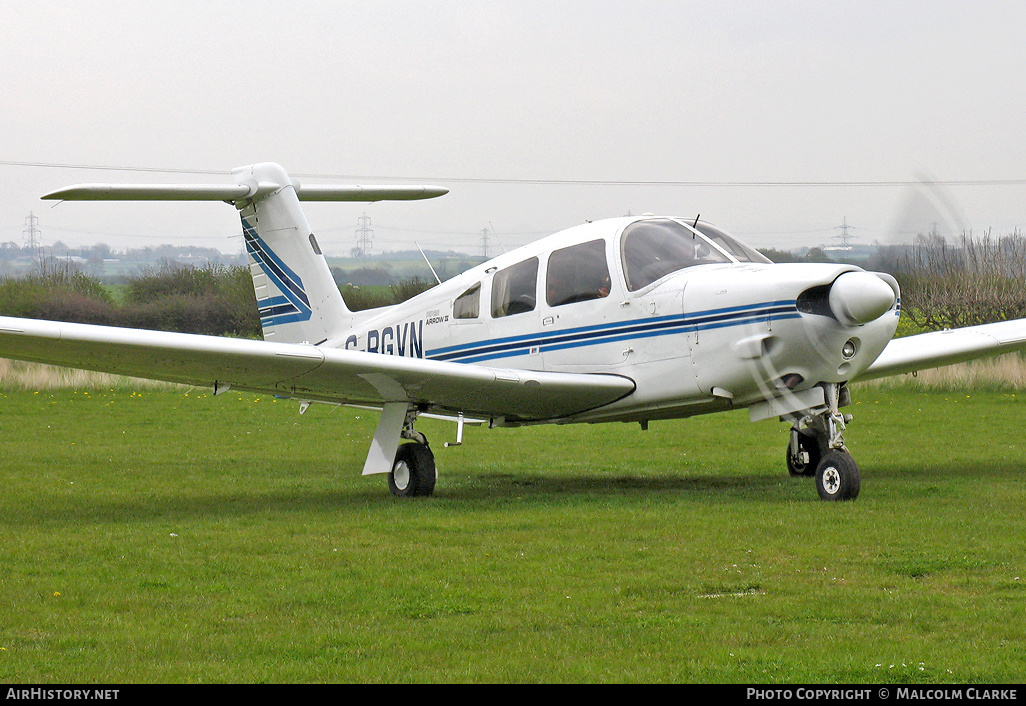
837 476
803 454
410 467
413 472
817 447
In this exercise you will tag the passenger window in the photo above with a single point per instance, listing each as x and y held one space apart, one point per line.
577 273
514 289
468 304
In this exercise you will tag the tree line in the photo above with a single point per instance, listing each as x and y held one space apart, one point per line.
973 280
977 279
216 300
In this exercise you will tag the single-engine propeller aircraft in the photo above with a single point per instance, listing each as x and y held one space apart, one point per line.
630 319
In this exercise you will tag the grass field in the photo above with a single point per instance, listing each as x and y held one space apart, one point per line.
163 535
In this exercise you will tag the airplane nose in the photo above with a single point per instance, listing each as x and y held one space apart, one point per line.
860 297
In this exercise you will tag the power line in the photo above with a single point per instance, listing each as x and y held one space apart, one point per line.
550 182
111 168
678 183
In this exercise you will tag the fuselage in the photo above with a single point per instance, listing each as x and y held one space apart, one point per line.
699 321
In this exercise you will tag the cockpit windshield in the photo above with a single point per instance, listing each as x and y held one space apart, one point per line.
654 248
737 249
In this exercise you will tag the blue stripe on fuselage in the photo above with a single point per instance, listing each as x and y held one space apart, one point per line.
480 351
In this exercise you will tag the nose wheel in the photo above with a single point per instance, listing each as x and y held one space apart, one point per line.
816 448
837 476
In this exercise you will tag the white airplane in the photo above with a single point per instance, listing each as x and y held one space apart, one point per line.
625 320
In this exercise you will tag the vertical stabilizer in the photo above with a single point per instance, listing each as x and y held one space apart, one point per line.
298 299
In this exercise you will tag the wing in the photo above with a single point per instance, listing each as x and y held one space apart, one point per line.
932 350
310 373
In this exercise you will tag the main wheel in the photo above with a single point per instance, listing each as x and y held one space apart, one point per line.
837 476
413 471
796 465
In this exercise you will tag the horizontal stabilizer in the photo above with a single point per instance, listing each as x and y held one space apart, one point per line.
331 192
150 192
239 192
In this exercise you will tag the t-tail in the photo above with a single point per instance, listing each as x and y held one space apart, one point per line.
297 297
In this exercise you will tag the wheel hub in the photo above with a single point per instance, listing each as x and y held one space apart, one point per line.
401 475
831 480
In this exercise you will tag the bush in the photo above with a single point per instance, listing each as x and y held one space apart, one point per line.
59 293
213 300
361 298
409 288
203 314
978 281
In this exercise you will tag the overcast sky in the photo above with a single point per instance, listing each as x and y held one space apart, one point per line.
674 107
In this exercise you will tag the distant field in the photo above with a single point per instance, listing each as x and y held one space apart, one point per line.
410 265
163 535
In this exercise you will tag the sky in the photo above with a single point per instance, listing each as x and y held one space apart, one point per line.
779 121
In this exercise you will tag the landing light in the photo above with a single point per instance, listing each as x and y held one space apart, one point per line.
849 349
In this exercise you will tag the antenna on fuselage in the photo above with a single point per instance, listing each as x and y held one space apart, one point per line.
501 246
428 262
695 227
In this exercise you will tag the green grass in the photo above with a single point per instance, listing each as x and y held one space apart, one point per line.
168 536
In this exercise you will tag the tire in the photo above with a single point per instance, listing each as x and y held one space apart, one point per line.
837 476
810 445
413 471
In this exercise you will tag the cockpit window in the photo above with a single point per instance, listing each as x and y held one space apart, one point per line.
654 248
740 251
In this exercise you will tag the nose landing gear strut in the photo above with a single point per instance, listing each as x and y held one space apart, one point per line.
816 447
